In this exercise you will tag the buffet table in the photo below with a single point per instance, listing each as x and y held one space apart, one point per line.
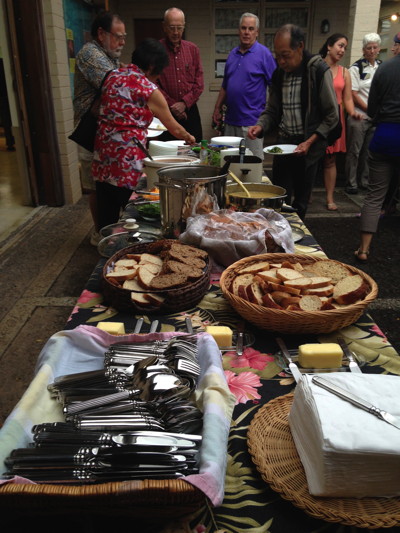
256 378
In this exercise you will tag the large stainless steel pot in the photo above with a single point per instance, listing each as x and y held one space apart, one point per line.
272 197
177 186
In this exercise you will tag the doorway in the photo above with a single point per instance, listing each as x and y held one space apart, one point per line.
144 28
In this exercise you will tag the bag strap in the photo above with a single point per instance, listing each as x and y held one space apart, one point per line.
95 105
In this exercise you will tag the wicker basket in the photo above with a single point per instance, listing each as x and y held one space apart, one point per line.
137 499
274 453
288 321
177 299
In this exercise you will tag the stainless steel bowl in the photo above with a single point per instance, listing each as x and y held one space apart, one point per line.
273 199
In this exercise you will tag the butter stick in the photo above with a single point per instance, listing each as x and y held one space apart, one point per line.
221 334
114 328
328 355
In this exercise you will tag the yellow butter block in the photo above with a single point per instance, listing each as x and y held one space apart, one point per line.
115 328
328 355
221 334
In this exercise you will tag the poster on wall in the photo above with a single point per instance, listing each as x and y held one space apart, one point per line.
78 21
71 50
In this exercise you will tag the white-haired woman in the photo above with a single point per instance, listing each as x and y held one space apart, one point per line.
359 132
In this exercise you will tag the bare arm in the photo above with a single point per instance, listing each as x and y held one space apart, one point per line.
159 107
348 96
358 101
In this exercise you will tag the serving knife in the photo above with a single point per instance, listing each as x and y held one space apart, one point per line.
292 366
356 401
352 363
239 341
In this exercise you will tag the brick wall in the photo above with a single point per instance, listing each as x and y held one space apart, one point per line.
62 97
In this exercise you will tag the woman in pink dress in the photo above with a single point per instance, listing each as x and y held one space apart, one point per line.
332 51
130 99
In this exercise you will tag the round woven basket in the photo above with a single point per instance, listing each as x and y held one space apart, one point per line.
288 321
274 453
177 299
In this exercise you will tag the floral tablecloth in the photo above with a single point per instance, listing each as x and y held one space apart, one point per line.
254 378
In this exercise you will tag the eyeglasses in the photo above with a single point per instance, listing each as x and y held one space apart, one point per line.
176 28
118 36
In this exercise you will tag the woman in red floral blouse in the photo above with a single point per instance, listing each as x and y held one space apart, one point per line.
130 99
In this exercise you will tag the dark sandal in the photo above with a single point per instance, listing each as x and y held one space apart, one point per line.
358 253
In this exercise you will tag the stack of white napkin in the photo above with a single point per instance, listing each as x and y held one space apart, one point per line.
345 451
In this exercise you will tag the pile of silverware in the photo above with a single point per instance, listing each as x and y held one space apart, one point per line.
133 419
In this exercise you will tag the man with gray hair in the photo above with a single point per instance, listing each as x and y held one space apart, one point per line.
182 81
359 132
248 73
93 61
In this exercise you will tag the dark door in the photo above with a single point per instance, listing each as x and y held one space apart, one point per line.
147 28
33 87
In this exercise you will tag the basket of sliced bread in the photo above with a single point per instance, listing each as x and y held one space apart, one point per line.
293 293
162 276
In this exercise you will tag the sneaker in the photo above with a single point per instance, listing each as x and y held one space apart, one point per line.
95 238
351 190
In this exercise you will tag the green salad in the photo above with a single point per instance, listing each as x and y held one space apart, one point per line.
275 150
149 210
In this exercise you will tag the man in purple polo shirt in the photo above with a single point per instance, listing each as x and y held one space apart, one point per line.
248 73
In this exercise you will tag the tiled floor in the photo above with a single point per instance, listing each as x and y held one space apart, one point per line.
12 211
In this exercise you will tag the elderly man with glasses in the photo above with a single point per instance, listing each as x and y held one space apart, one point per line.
182 81
93 61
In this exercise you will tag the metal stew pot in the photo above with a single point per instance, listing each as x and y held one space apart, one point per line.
177 188
265 195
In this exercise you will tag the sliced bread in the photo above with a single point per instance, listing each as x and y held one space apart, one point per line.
269 275
288 273
175 254
242 280
168 281
350 289
268 301
320 291
310 303
145 276
298 283
186 249
121 274
176 266
254 294
127 263
255 267
330 269
140 299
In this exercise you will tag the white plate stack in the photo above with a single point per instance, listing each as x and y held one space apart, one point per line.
160 148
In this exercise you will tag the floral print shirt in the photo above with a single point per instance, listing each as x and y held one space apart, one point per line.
91 65
124 116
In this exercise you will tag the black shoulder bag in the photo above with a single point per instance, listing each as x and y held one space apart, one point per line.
85 132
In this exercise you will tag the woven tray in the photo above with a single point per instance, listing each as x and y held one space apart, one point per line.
176 300
284 321
274 453
139 499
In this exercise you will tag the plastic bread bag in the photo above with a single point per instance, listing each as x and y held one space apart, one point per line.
199 202
231 235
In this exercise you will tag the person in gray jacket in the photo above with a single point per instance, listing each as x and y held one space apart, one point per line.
302 106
